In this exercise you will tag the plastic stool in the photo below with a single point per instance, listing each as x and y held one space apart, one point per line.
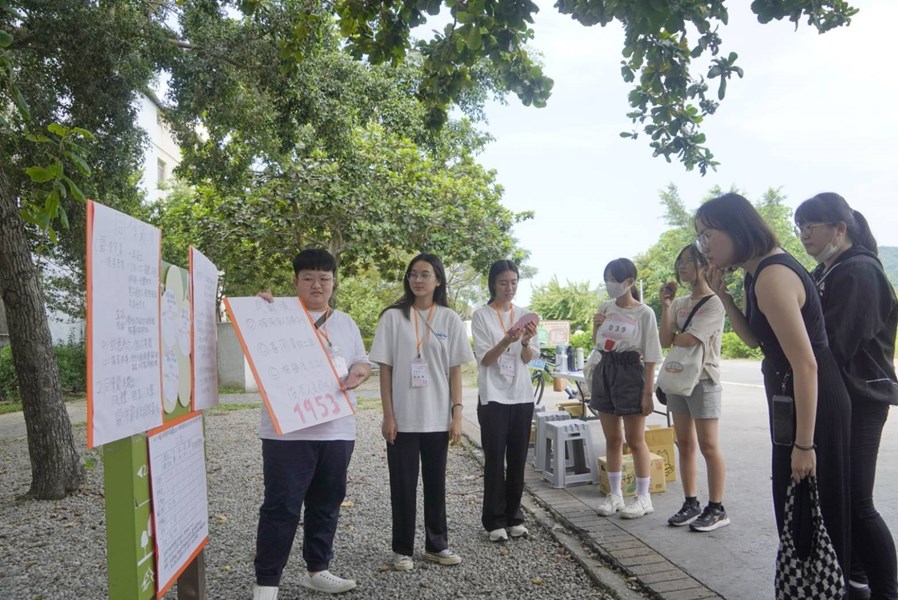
569 442
539 455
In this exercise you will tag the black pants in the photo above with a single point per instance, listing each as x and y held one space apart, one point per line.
300 473
403 457
505 437
873 547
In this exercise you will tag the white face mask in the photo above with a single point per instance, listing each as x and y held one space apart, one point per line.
829 251
616 290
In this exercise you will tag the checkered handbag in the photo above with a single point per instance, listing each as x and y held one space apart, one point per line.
817 577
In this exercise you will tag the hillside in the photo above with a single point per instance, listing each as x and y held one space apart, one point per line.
889 257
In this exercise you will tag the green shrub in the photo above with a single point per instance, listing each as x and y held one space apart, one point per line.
70 358
581 339
733 347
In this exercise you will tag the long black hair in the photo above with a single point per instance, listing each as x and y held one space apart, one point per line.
496 269
622 269
697 258
440 294
829 207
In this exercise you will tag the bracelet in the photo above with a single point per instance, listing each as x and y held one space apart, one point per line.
454 406
523 343
811 447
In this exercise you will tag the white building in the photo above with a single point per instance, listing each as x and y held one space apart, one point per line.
162 153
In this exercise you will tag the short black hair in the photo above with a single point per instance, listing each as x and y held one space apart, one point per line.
695 254
622 269
735 215
314 259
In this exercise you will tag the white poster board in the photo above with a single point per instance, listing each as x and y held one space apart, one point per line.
204 337
180 504
296 376
123 304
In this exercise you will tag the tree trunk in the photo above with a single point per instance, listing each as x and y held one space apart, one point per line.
55 464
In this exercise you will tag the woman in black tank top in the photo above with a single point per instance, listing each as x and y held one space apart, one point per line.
783 316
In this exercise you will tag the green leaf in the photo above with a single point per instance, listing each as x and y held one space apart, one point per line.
75 190
57 129
474 38
21 104
79 162
5 39
39 174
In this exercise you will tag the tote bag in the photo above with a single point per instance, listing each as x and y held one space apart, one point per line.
682 367
819 575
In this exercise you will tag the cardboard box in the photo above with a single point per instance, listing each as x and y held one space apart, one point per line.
657 484
660 441
574 407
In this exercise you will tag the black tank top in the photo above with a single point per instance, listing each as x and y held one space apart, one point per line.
811 313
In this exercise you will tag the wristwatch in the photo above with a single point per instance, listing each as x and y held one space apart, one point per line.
525 343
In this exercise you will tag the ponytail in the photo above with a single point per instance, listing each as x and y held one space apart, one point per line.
862 236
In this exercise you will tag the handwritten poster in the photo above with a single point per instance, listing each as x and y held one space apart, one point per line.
296 375
123 305
178 487
204 337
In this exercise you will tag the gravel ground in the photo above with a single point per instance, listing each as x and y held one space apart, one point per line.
56 550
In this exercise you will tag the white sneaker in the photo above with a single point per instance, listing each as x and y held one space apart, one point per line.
498 535
327 582
517 531
402 562
610 505
640 507
265 592
444 557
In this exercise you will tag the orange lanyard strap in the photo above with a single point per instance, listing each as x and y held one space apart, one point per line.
319 329
501 322
426 333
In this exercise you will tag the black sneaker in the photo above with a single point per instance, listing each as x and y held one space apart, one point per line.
713 517
690 511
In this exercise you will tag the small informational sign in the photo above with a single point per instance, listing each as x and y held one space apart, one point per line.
554 333
123 307
204 336
296 375
180 502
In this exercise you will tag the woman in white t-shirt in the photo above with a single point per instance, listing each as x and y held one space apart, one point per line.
420 344
505 409
626 333
696 417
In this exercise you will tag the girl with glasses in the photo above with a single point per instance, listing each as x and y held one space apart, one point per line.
860 313
505 407
420 344
784 317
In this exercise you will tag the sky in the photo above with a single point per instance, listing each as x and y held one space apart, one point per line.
813 113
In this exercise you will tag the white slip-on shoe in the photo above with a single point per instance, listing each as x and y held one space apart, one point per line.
265 592
327 582
517 531
498 535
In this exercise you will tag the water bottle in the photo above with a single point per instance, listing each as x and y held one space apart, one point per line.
580 362
561 361
571 360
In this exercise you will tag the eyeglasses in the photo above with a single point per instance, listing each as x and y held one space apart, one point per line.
425 276
308 280
805 230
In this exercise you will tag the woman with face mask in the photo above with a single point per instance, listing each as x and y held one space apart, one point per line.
696 417
861 317
810 412
625 331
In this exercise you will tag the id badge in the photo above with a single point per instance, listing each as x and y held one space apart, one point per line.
340 366
420 374
507 364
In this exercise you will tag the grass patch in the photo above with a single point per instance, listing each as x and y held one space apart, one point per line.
226 389
222 408
368 403
10 407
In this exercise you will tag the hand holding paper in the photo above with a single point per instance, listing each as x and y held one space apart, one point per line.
523 322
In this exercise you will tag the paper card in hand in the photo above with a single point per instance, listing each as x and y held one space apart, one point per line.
523 322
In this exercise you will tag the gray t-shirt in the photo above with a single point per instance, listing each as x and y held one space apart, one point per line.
444 344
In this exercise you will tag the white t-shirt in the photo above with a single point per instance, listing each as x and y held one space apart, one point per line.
629 329
493 385
444 345
346 340
706 327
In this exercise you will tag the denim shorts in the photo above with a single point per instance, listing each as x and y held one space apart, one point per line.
703 403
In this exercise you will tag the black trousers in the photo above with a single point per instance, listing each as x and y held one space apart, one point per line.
299 474
404 455
873 547
505 438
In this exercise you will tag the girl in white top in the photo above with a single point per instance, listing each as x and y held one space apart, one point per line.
626 333
696 417
420 344
505 409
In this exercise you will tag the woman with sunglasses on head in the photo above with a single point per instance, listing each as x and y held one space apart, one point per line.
860 312
696 417
420 344
505 407
626 333
784 317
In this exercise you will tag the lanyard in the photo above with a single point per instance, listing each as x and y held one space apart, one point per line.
320 323
502 323
418 338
